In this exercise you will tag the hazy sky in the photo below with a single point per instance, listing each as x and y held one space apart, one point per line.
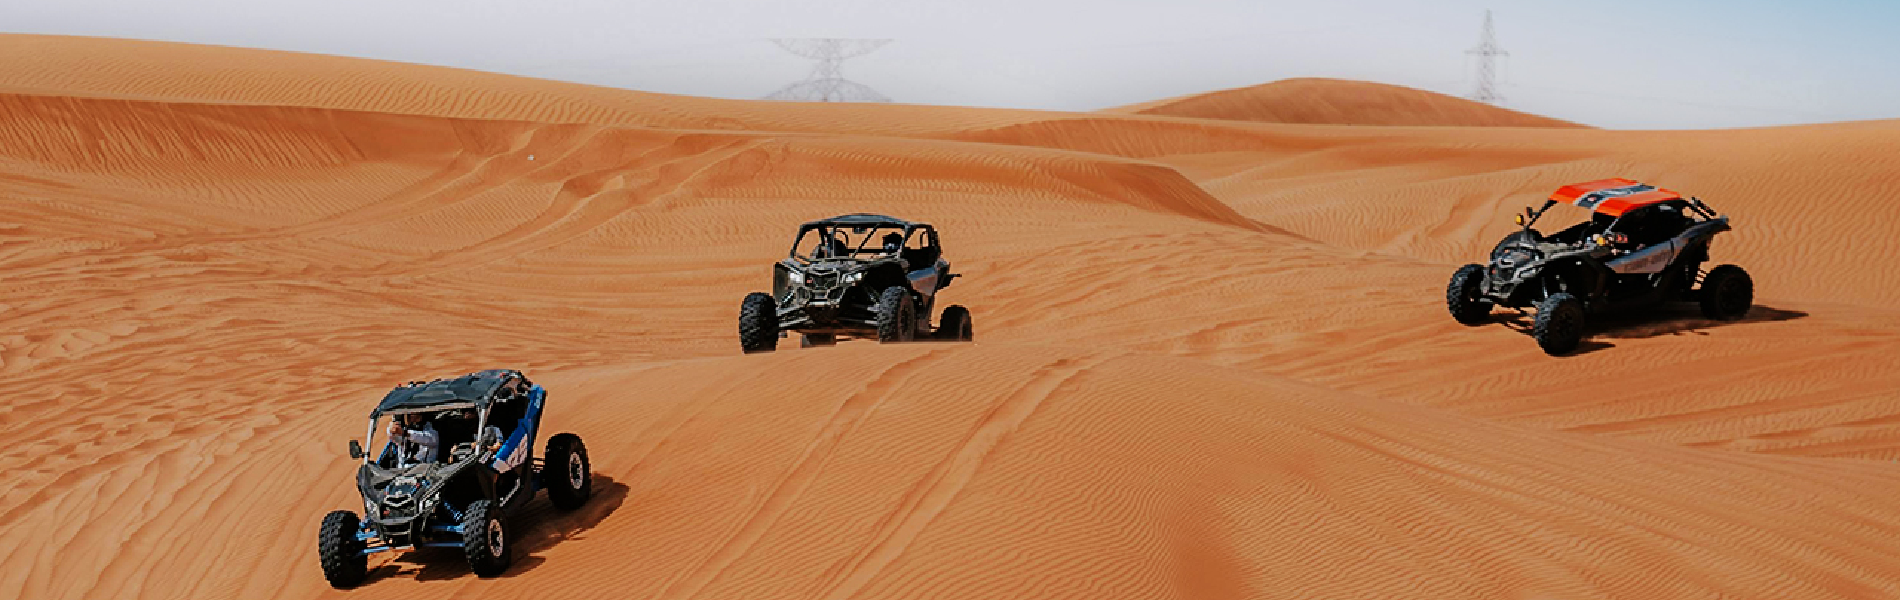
1654 64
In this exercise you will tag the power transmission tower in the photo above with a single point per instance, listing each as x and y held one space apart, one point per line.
1487 53
825 84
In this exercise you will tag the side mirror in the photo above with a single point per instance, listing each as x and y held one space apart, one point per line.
356 450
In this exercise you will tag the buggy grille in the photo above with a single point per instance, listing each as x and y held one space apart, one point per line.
1506 262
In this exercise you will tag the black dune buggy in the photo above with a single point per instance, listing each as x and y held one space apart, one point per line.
483 467
857 275
1642 247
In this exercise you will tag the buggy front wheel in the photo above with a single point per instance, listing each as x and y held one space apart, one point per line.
758 323
1464 298
896 315
1559 324
339 550
485 539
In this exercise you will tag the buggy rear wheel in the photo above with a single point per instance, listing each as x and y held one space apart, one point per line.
340 552
1464 298
758 323
954 325
896 315
485 539
567 473
1727 292
1559 324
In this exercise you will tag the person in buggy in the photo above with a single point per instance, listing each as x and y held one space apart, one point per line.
414 438
1632 231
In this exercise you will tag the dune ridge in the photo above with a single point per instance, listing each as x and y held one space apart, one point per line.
1212 358
1314 100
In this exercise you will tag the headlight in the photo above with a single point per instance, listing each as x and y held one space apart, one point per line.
795 277
852 278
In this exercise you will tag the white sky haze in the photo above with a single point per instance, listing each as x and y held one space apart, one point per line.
1662 64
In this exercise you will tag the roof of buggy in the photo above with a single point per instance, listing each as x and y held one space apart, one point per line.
864 219
1613 196
476 388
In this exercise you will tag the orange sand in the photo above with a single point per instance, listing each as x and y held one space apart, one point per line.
1213 359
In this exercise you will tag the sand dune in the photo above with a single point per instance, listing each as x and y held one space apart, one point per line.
1213 357
1340 102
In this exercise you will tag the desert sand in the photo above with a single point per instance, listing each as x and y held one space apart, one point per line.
1212 356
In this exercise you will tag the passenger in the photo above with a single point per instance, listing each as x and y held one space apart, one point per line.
415 439
893 242
1651 225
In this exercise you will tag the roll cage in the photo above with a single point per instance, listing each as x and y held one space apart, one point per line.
1647 212
863 237
483 392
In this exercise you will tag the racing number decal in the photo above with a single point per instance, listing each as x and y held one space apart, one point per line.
1592 199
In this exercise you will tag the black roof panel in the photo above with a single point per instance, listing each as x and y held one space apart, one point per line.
863 219
478 388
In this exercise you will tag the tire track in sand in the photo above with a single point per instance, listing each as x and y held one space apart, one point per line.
934 492
793 484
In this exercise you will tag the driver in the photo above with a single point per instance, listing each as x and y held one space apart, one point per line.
893 242
835 247
415 439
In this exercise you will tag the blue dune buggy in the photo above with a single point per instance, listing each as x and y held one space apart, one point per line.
480 467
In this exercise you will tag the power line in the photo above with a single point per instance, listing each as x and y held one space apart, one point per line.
1487 52
825 84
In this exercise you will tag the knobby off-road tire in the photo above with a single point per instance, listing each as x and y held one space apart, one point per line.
1462 296
340 553
758 323
485 539
1727 292
1559 324
896 316
954 325
566 472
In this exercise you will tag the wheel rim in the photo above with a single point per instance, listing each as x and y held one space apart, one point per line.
496 542
576 472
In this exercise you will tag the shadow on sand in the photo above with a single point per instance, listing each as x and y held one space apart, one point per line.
536 527
1671 320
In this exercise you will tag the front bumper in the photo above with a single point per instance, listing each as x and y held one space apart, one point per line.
842 309
1507 286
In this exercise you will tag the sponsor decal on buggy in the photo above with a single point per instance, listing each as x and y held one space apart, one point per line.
1648 260
1592 199
515 450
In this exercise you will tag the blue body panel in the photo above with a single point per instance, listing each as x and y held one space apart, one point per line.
518 449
